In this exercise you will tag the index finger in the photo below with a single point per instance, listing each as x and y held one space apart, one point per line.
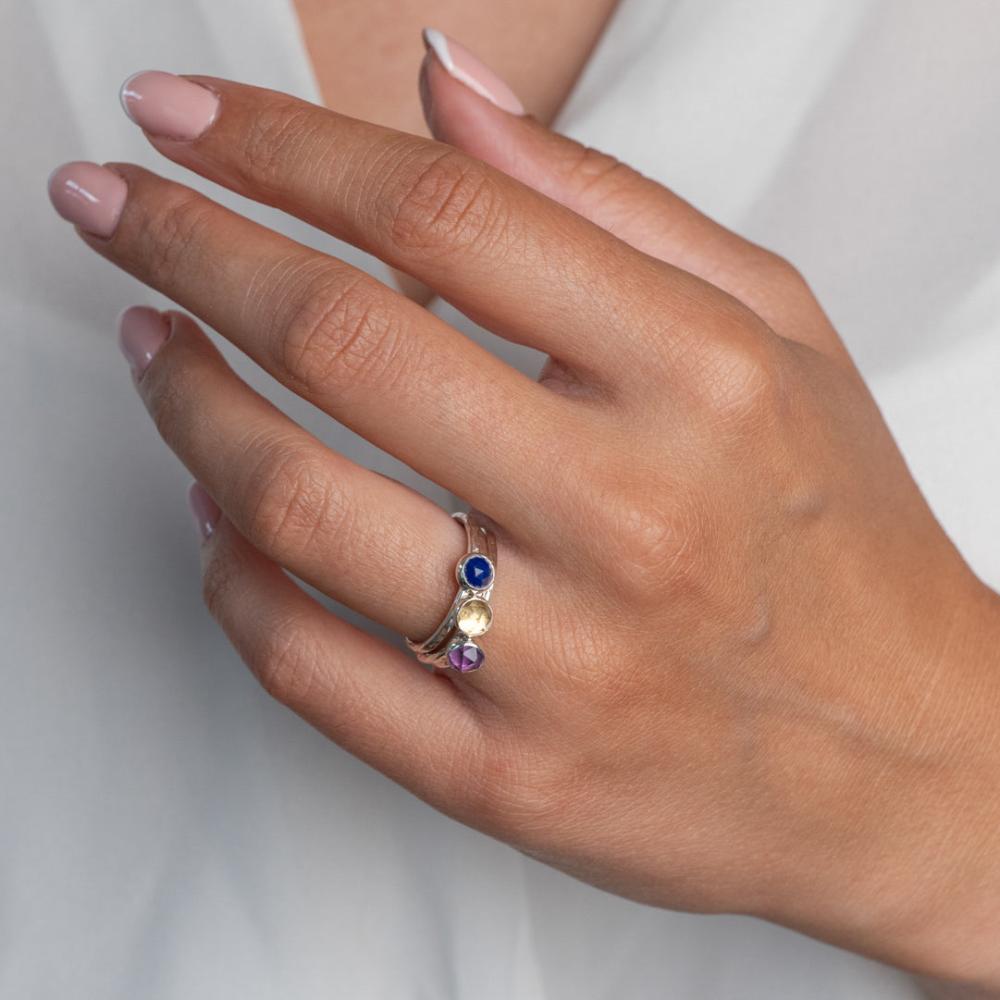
505 255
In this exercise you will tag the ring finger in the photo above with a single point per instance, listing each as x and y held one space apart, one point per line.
367 541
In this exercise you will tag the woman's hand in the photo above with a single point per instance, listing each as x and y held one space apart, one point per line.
736 665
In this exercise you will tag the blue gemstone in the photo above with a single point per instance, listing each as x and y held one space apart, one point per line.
477 572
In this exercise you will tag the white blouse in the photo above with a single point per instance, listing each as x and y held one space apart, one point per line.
167 832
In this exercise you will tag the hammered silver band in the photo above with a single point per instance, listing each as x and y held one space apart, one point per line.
453 644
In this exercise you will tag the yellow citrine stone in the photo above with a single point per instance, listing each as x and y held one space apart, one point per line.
474 617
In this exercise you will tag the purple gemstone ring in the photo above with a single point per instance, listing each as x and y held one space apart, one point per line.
452 645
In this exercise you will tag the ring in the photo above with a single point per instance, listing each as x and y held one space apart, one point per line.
452 644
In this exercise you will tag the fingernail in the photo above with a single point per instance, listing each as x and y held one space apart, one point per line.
168 106
204 510
463 66
142 331
88 195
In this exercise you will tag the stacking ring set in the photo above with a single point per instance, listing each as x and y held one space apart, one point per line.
452 645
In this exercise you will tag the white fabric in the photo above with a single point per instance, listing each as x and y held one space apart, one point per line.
166 831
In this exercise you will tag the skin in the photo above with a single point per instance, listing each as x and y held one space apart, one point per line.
539 46
737 665
364 52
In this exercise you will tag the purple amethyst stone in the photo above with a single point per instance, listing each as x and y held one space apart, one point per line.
465 657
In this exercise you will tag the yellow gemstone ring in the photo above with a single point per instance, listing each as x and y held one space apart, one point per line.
452 644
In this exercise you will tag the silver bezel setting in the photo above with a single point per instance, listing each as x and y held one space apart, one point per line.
435 648
460 578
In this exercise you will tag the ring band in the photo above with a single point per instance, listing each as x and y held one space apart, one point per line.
452 644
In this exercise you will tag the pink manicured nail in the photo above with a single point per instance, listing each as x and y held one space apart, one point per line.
204 510
141 333
461 64
89 196
167 105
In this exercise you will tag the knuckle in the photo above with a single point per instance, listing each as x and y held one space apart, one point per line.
645 530
292 501
740 380
173 232
276 136
446 204
654 543
167 398
342 334
217 582
281 651
779 270
286 665
594 173
771 274
172 387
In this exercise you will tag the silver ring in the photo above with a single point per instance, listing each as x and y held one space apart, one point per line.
453 643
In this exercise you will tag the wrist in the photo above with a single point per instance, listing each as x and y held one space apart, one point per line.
944 904
911 875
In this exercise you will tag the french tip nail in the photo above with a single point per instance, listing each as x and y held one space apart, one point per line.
465 67
436 42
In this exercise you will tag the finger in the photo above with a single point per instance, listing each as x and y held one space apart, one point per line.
373 700
379 363
369 542
516 262
365 540
619 199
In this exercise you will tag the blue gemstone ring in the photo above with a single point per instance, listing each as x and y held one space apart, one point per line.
452 645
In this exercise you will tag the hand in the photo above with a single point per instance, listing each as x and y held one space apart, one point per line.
736 665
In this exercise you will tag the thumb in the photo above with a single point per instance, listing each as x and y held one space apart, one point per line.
468 106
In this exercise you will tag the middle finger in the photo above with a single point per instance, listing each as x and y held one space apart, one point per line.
522 265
